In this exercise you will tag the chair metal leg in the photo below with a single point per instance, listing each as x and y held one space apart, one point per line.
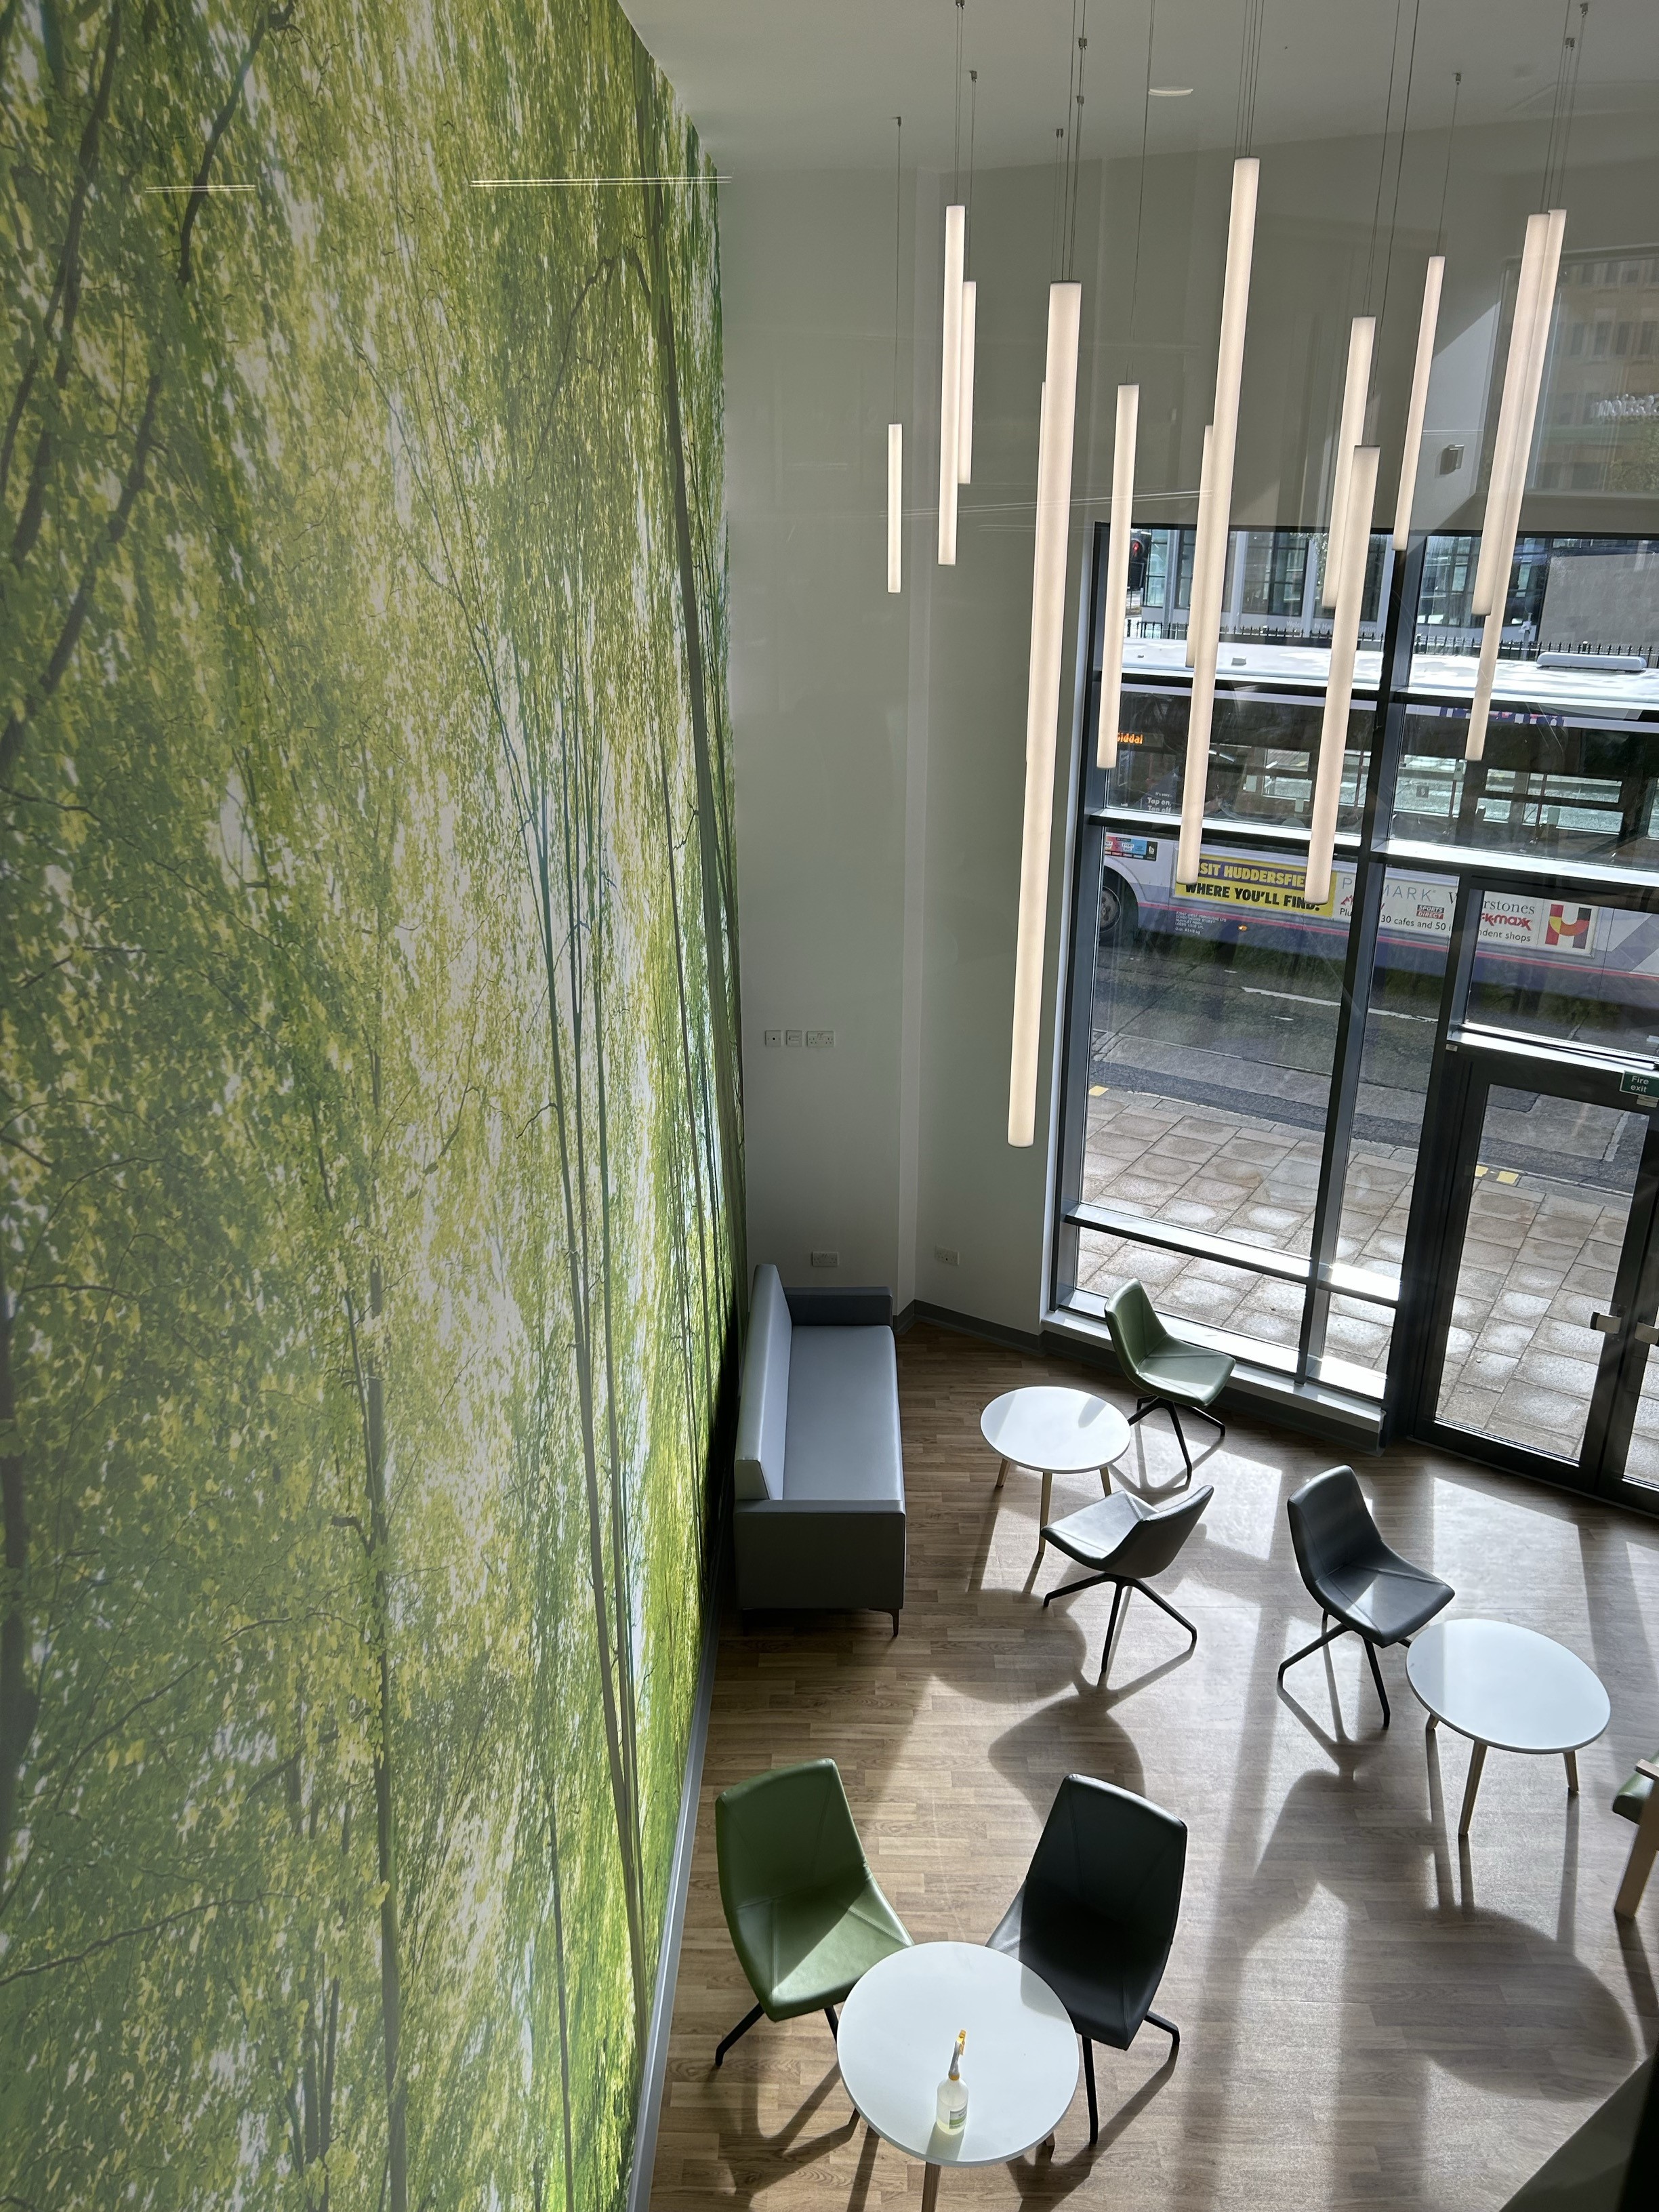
834 2025
1170 2029
1181 1438
1089 1582
1089 2084
1142 1407
741 2029
1205 1414
1118 1596
896 1615
1318 1644
1377 1677
1163 1605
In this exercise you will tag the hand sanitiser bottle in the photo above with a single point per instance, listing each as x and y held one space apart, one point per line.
953 2090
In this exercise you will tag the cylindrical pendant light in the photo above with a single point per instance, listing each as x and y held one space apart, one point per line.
965 426
1356 391
1504 498
1515 376
1117 571
1195 588
1356 539
894 505
1421 368
1042 699
1210 558
950 398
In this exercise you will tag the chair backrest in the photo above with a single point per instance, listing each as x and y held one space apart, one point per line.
1330 1525
763 1407
785 1832
1155 1540
1136 1330
1120 1856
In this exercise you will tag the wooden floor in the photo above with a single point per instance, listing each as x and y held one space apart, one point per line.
1370 2015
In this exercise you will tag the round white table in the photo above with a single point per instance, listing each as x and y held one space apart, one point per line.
894 2043
1506 1689
1053 1432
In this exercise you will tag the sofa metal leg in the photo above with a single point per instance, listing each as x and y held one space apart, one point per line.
741 2029
1089 2083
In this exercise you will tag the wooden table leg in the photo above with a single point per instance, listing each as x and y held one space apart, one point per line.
929 2188
1477 1760
1002 1474
1571 1758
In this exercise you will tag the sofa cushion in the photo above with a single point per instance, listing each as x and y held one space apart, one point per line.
843 1433
763 1407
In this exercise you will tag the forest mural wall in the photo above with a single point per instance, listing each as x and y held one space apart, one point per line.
368 1089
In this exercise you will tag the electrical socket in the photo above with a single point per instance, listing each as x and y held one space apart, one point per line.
775 1037
820 1040
826 1259
793 1036
944 1252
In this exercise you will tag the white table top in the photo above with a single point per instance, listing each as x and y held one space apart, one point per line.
1507 1687
1020 2064
1054 1431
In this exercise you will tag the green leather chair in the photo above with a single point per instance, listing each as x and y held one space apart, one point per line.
1638 1801
1165 1371
806 1915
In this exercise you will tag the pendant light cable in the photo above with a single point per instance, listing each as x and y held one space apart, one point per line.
973 120
1250 68
1561 114
1445 181
1383 158
898 203
1077 140
1399 169
956 194
1140 185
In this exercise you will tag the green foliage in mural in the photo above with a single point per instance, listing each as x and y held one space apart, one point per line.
369 1090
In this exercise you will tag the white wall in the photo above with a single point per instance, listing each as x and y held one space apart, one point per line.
880 740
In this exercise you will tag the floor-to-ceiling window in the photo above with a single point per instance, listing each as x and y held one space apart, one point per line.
1268 1115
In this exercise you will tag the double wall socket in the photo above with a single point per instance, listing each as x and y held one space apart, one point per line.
817 1039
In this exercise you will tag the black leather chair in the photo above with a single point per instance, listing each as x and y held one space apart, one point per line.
1124 1541
1369 1591
1096 1913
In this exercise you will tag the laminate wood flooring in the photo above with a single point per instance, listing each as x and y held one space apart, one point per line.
1371 2015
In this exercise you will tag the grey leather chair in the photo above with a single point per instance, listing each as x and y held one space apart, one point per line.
1096 1913
1124 1541
1369 1591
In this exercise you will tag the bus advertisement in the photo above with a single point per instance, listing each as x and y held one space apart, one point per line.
1527 943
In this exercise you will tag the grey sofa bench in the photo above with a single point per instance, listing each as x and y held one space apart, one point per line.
818 1513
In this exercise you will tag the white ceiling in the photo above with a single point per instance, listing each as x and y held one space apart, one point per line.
794 84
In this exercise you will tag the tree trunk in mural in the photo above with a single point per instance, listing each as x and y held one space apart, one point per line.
369 1113
719 931
19 1704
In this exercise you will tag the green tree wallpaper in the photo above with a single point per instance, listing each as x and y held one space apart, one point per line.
368 1089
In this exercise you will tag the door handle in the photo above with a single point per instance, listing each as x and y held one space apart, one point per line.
1609 1324
1645 1332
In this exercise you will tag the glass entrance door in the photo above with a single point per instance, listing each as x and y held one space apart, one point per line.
1538 1350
